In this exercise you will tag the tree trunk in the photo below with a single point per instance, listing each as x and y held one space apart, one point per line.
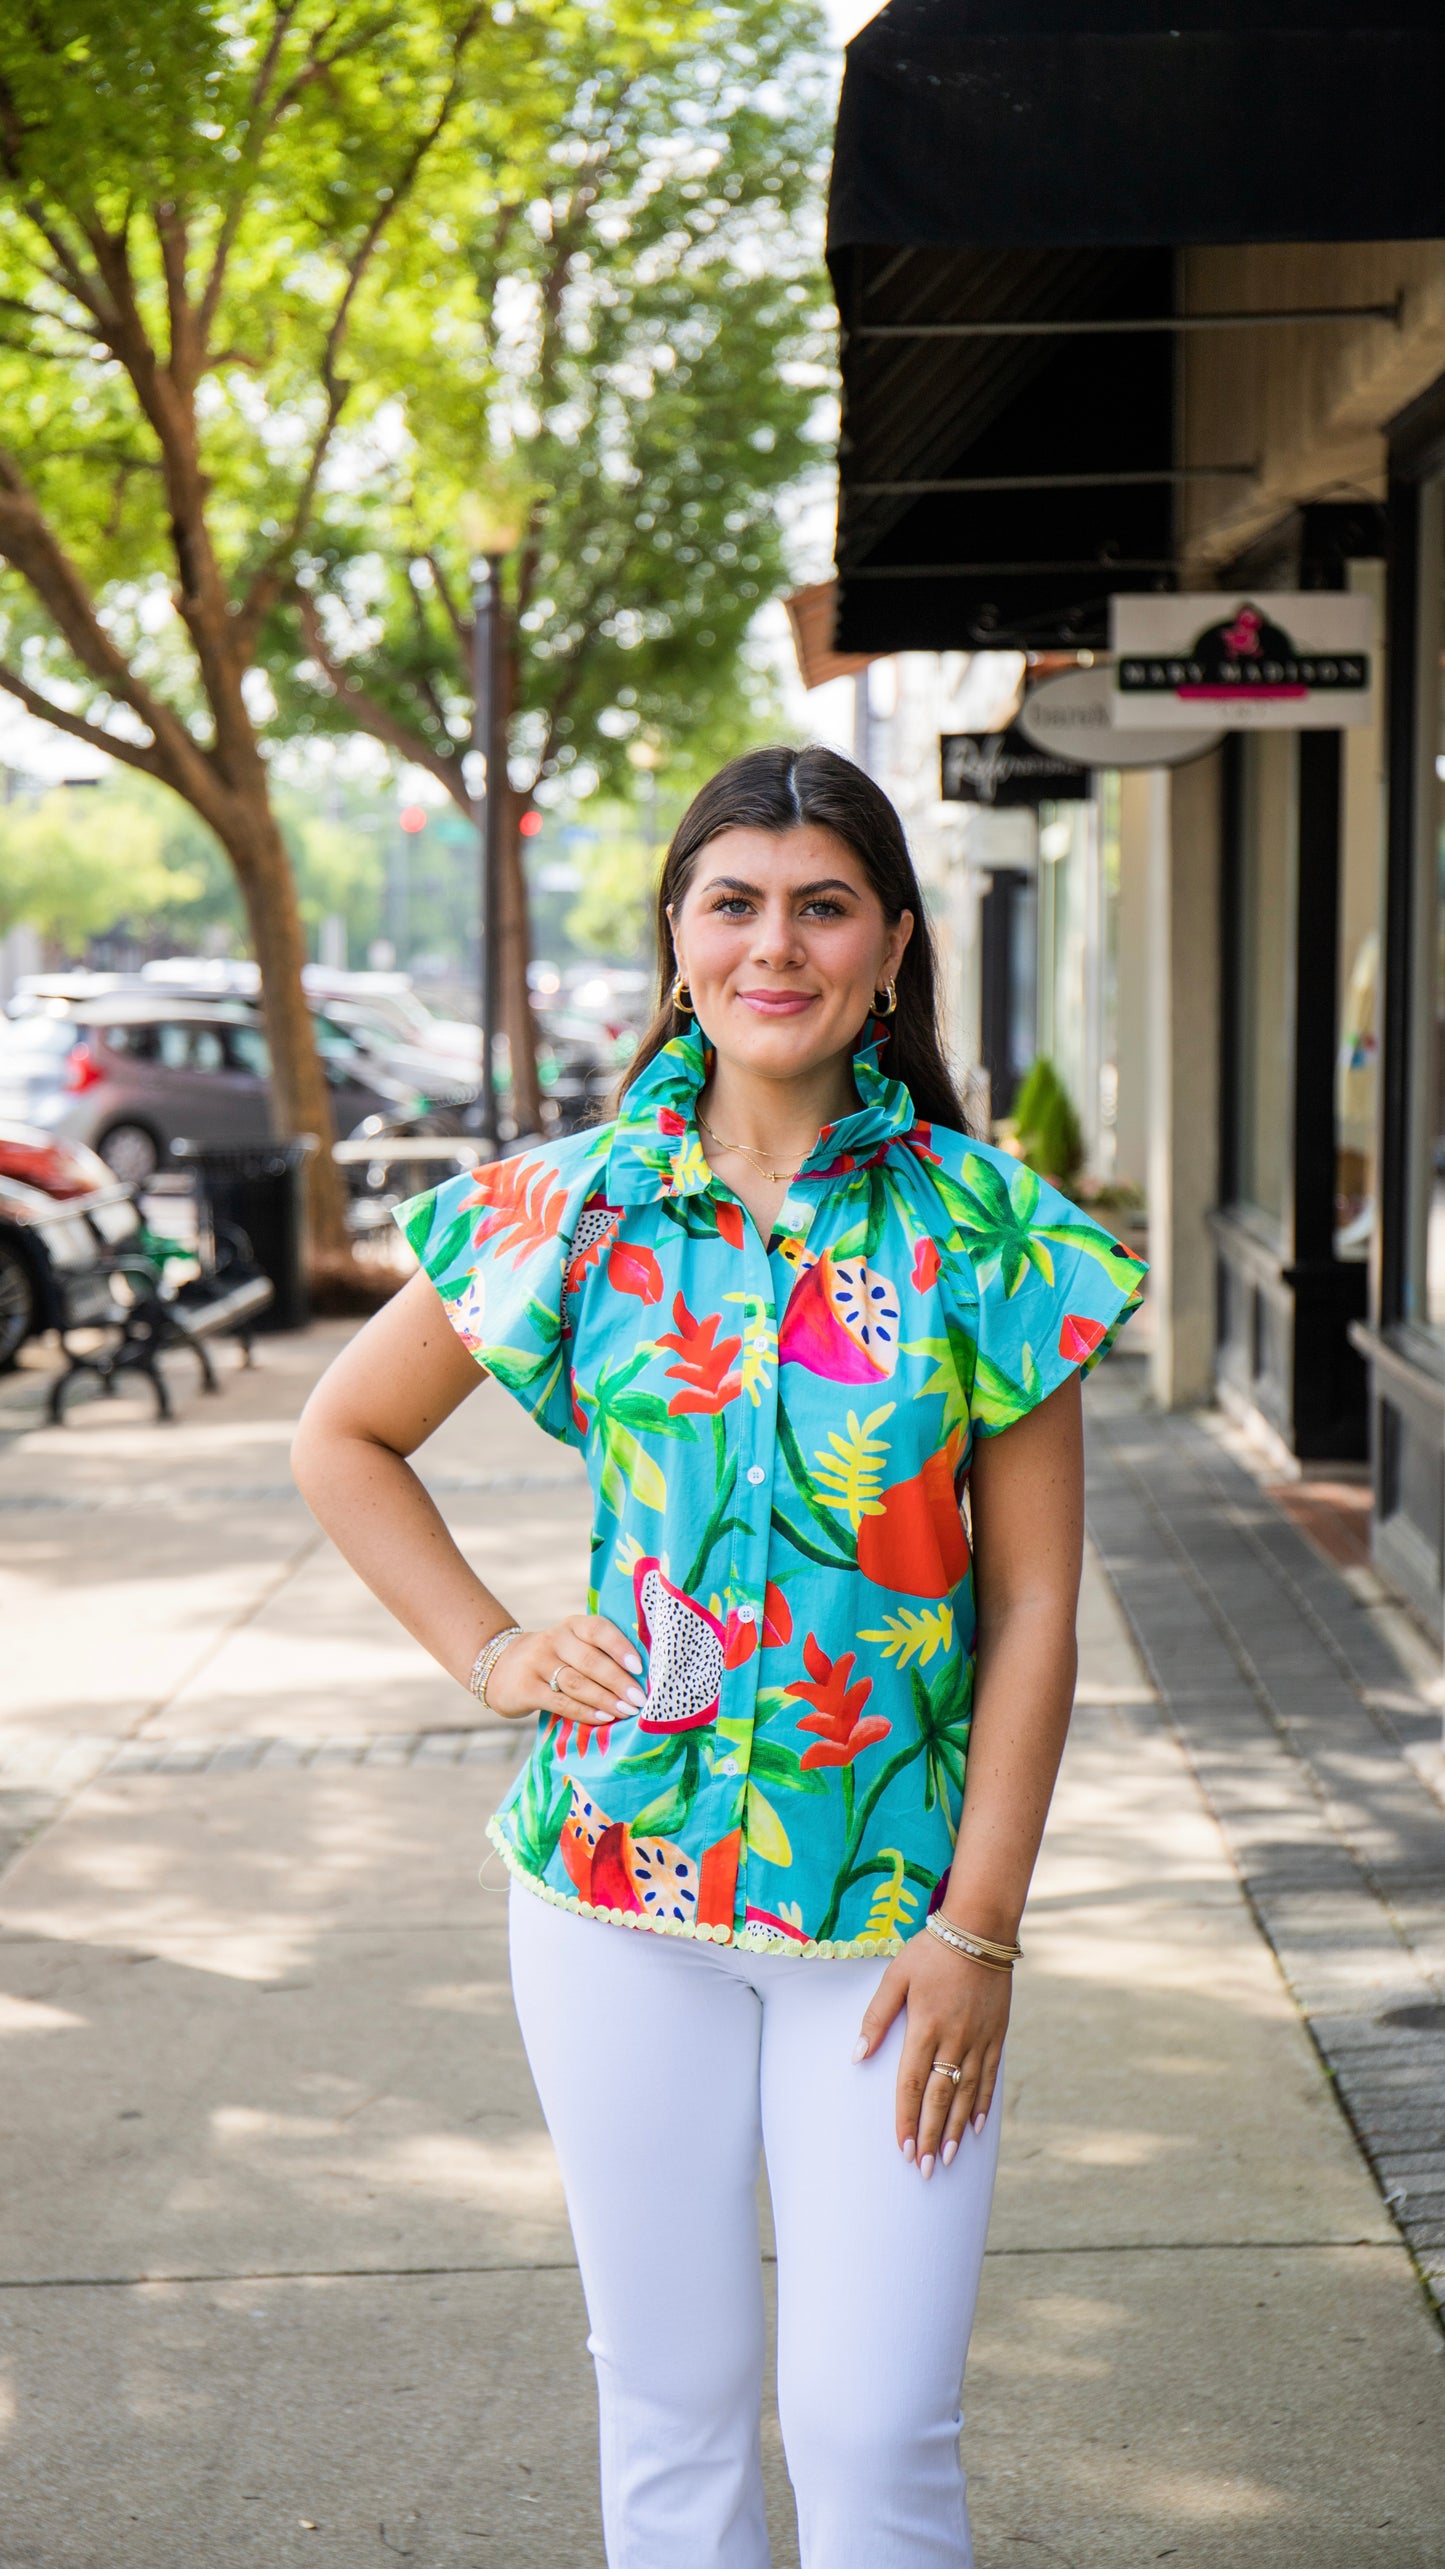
514 953
301 1100
514 938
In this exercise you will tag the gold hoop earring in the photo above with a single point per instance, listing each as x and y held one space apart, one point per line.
889 1002
682 998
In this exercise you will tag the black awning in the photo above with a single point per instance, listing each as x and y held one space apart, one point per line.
1010 183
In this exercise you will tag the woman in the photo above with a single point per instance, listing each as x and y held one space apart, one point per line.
789 1310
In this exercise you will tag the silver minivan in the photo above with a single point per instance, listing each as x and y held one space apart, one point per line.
131 1075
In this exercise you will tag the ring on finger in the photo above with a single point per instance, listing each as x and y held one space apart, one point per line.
946 2069
554 1682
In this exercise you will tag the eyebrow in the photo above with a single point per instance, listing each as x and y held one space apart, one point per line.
828 883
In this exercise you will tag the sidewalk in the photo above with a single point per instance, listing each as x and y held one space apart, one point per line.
286 2273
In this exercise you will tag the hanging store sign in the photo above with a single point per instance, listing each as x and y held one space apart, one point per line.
1072 717
1007 771
1299 661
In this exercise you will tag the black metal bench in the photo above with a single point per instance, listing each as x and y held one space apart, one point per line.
123 1296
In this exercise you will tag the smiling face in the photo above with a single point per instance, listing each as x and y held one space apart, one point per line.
783 942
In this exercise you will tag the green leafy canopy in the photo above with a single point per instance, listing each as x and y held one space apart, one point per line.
621 328
373 258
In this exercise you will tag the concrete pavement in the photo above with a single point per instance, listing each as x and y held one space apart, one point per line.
285 2268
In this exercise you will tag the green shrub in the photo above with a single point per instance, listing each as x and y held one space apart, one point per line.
1046 1124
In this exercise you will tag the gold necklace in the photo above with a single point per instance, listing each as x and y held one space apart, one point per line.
757 1157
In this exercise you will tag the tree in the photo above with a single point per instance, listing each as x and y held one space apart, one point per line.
633 353
203 209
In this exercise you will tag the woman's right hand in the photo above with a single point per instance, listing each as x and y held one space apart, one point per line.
594 1664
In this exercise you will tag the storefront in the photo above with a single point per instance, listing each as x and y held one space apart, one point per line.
1136 300
1301 864
1403 1342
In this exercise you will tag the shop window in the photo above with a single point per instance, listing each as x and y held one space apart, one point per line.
1263 1004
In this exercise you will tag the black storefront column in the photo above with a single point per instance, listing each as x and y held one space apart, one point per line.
1286 1302
1328 1386
1008 931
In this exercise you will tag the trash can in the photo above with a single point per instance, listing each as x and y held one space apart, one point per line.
259 1191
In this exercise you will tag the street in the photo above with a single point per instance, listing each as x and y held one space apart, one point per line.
287 2272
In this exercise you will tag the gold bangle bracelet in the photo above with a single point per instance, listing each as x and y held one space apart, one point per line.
979 1949
986 1944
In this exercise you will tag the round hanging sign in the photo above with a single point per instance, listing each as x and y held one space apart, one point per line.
1069 717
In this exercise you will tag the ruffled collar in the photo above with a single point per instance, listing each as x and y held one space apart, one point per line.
655 1146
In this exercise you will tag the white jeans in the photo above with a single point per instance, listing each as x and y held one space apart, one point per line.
663 2066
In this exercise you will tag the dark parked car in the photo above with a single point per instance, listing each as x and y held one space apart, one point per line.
361 1034
130 1075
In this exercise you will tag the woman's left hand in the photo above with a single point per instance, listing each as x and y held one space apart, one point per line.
957 2012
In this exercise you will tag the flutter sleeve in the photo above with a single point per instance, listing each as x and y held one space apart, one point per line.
496 1244
1047 1291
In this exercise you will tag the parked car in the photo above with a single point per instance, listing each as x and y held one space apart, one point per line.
35 992
384 1002
446 1085
381 1032
130 1074
616 997
387 1001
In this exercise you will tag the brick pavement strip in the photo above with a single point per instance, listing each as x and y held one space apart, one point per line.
1308 1739
37 1780
49 1778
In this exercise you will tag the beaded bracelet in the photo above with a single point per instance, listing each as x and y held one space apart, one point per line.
486 1660
979 1949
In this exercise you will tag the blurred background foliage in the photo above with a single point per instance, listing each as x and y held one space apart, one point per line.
73 867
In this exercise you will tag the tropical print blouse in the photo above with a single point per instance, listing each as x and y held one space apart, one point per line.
778 1440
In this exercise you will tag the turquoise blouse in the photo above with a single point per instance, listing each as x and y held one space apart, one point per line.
778 1440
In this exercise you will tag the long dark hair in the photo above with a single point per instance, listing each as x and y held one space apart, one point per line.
788 789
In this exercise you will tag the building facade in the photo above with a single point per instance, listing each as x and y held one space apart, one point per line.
1132 306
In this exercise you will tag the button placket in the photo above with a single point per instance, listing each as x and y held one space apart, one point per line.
748 1554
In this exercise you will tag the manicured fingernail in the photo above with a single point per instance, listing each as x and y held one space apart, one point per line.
979 2121
627 1704
635 1697
949 2152
908 2150
925 2164
860 2048
631 1661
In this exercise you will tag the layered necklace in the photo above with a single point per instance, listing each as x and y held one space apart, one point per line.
759 1159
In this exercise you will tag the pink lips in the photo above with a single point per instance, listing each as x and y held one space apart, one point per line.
777 1003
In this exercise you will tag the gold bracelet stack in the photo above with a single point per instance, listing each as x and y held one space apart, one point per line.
486 1660
979 1949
